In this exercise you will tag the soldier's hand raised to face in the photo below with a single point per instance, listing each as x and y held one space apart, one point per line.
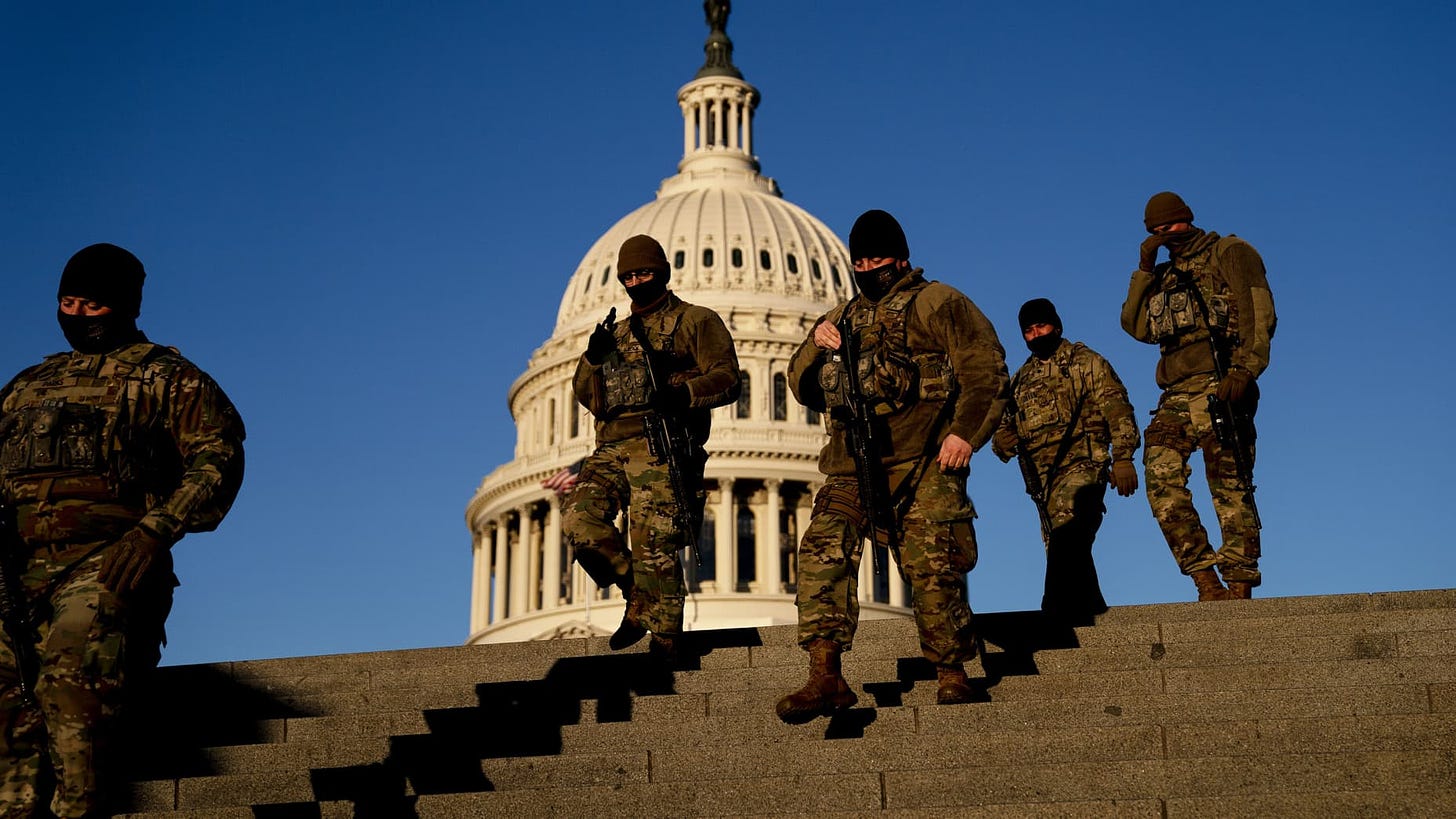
1124 477
129 560
1148 251
955 453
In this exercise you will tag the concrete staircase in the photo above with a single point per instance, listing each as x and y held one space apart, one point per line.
1316 706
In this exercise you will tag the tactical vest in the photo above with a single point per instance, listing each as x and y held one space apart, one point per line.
68 428
624 372
891 376
1174 311
1044 407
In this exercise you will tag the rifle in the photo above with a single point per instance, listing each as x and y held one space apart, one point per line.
863 448
669 441
15 612
1230 424
1029 475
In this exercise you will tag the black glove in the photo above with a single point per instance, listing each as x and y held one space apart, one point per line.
675 399
1148 251
1004 442
1235 385
600 345
130 559
1124 477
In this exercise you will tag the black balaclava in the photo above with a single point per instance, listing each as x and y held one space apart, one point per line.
1041 311
876 235
110 276
642 252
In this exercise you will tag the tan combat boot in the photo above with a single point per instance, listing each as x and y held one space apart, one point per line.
955 688
1240 590
1209 587
824 693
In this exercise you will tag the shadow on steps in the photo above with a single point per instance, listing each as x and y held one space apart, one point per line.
1018 635
518 718
513 719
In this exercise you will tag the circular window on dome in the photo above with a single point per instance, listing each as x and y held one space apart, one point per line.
793 263
679 259
834 274
814 269
737 257
765 261
707 257
606 273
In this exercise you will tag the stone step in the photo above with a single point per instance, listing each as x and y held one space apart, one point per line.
1416 783
1345 660
745 724
881 684
1225 622
438 764
1325 697
1411 804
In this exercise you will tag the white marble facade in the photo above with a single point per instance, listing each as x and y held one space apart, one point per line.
770 269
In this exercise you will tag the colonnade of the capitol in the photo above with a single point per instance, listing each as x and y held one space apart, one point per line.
740 512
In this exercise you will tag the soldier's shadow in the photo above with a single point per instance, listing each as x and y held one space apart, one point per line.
1010 641
512 719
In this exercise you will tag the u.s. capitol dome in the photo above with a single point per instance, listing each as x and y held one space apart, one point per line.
770 269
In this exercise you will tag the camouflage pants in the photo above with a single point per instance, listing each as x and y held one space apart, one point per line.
1180 425
90 644
624 474
1075 507
937 549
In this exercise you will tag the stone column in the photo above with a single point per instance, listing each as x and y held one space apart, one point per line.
725 531
866 573
533 558
897 587
500 568
476 587
687 111
771 538
517 603
803 511
748 125
733 108
551 590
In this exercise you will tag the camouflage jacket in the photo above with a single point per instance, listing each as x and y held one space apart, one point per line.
1230 278
1046 393
953 377
692 346
92 445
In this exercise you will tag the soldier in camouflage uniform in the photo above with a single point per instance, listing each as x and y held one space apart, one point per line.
934 374
693 350
1212 287
109 454
1072 426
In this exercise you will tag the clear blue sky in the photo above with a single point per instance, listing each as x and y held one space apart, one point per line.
359 217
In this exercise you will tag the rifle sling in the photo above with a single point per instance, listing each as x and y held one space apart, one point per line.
1063 447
